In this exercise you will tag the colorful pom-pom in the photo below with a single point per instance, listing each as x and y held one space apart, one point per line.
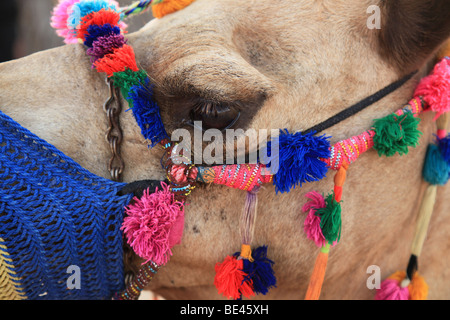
83 8
435 88
165 7
299 159
104 45
398 287
154 224
120 60
230 279
396 133
436 170
418 288
318 274
95 31
68 14
146 112
330 219
312 221
60 16
128 79
391 290
444 147
100 18
260 271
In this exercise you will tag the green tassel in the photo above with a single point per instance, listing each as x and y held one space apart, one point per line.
127 79
395 133
330 219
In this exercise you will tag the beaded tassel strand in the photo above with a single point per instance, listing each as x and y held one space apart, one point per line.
135 287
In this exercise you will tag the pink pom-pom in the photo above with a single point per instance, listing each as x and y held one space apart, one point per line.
312 222
435 88
391 290
59 19
154 224
61 14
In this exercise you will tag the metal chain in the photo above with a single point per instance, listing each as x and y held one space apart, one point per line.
114 136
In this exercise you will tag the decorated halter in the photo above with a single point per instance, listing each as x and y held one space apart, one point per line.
154 219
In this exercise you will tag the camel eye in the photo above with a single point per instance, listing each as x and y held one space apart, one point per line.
215 115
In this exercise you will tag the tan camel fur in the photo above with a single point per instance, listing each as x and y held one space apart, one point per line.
286 64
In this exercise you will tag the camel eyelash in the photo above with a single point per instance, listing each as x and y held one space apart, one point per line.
213 115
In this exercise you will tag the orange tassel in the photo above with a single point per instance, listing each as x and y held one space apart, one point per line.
169 6
339 180
418 288
318 275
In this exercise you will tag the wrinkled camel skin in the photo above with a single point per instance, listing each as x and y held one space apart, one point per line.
291 64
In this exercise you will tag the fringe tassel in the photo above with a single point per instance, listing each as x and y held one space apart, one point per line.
121 59
246 273
230 279
299 159
248 217
399 287
318 274
435 88
395 134
134 289
331 234
410 285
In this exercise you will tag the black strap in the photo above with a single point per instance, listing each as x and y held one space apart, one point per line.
347 113
412 266
138 187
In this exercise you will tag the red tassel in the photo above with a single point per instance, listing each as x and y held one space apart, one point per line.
121 59
99 18
229 279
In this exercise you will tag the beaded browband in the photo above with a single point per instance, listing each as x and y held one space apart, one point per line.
303 157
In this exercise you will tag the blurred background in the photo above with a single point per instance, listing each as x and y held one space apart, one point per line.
26 29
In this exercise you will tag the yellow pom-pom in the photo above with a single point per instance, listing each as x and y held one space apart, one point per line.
165 7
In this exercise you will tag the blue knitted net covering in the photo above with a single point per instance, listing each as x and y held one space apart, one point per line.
57 222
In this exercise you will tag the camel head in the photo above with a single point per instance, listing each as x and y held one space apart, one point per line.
261 65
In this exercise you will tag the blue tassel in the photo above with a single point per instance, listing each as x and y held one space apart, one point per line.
299 159
436 170
260 271
444 147
146 113
95 31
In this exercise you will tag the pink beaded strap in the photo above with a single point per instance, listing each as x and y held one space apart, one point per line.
248 176
237 176
347 151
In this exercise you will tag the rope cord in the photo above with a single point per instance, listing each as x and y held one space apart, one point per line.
361 105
